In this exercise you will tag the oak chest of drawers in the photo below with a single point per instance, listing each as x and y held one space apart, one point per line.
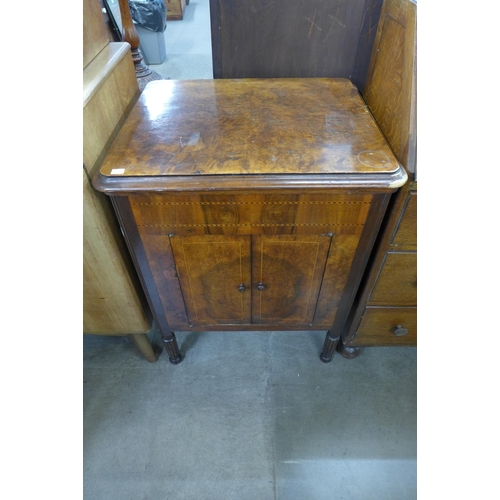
250 204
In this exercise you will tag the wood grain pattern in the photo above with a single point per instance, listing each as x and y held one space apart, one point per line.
111 301
211 270
95 35
405 235
391 83
105 111
228 127
390 280
290 270
175 9
397 282
378 325
251 214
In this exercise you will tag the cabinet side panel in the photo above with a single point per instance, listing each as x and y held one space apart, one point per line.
406 231
112 297
337 271
161 261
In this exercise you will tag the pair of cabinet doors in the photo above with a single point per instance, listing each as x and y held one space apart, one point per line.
262 280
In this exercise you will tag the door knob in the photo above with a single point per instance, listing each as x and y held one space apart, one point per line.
260 286
241 288
399 331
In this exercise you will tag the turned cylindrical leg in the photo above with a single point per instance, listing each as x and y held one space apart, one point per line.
348 352
170 343
329 347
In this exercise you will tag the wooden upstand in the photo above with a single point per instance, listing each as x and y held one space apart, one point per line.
250 204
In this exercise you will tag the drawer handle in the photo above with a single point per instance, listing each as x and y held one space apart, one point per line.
399 331
260 286
241 288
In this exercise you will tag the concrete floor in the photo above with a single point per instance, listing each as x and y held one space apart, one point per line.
248 416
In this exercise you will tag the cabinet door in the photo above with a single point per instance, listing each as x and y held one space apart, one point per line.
214 274
286 277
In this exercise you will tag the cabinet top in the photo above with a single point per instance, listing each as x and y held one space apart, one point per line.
209 130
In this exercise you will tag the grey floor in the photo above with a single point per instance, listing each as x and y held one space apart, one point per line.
188 45
248 416
245 416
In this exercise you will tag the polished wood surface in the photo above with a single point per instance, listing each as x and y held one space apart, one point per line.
110 90
255 213
211 270
229 127
293 38
301 248
287 277
129 34
218 250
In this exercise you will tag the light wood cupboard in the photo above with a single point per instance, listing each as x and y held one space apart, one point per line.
113 300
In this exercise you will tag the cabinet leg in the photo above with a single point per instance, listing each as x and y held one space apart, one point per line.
348 352
329 347
170 343
142 343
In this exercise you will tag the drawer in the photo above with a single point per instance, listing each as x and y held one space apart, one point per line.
396 283
406 230
272 214
379 326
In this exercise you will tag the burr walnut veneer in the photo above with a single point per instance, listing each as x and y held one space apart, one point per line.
250 204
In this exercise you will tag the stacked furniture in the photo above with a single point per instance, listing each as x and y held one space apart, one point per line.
113 300
385 311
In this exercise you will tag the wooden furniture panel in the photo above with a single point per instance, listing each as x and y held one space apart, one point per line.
397 281
214 274
406 230
281 126
270 214
390 279
95 34
110 90
287 276
250 204
387 327
113 300
293 38
175 9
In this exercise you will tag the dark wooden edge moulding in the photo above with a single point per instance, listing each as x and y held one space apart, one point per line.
134 243
368 237
123 185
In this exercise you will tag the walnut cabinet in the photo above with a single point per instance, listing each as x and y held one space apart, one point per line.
250 204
